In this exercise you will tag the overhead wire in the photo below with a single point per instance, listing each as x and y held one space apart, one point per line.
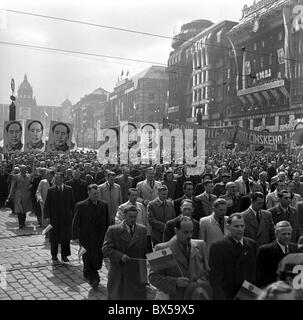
138 32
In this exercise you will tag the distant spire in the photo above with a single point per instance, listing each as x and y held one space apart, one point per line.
25 77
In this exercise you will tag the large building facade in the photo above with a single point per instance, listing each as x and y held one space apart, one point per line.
140 98
179 70
211 74
267 48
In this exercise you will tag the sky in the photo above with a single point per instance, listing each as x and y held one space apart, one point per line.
57 76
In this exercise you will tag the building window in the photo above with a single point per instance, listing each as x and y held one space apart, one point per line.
270 59
257 122
280 36
270 121
151 96
228 73
246 123
263 43
255 46
283 120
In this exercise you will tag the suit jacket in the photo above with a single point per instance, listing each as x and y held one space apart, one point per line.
90 224
259 187
195 268
79 189
59 208
158 215
272 199
206 203
145 192
124 186
210 230
112 197
197 204
20 192
299 209
233 205
169 230
241 186
199 189
268 258
230 264
279 215
124 281
299 188
262 233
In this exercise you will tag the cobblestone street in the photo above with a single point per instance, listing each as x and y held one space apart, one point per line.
31 274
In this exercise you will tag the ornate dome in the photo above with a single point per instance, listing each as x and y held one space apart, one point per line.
25 88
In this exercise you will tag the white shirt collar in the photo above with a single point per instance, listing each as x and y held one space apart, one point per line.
254 212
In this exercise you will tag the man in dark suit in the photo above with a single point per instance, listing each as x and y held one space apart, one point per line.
269 255
186 210
125 246
188 189
200 187
159 211
259 225
298 184
284 212
299 210
232 260
220 186
59 212
125 182
78 185
90 224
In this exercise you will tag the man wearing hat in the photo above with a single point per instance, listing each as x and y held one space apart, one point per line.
269 255
188 279
272 198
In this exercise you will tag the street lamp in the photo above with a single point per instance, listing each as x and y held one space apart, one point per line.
12 107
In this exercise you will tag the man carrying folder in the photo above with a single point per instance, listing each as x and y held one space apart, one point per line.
90 225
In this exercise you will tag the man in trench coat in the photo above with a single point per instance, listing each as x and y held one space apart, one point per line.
58 210
90 224
124 244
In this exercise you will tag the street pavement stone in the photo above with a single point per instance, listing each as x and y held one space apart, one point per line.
31 275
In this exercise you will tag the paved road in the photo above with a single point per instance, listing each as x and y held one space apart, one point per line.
30 272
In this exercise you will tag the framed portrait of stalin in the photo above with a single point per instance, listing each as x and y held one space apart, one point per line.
13 137
60 137
34 136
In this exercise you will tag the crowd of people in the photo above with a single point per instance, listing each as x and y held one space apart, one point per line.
236 222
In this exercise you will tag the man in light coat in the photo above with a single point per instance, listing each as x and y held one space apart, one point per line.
110 192
159 211
20 193
189 277
125 246
42 190
243 183
213 227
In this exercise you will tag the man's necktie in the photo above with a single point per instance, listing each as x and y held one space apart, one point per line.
258 216
221 224
152 184
209 198
286 250
132 230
